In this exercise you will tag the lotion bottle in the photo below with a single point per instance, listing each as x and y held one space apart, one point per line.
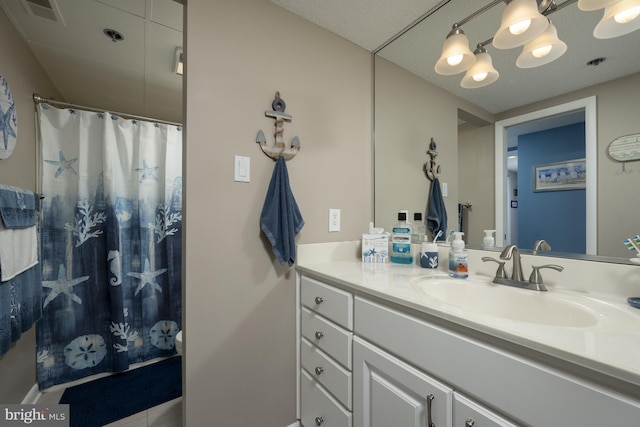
458 258
489 241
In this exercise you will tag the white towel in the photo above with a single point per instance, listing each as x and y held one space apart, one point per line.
18 251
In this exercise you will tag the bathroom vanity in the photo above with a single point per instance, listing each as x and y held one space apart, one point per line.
396 345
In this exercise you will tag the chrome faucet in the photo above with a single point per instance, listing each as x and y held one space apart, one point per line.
513 253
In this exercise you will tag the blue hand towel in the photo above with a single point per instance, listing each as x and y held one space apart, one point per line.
280 219
436 211
18 207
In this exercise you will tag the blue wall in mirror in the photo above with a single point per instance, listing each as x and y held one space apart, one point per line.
556 216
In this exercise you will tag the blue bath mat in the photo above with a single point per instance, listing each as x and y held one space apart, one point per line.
117 396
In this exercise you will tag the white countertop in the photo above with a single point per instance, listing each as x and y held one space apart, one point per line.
611 345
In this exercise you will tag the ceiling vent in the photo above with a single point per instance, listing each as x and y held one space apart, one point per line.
47 9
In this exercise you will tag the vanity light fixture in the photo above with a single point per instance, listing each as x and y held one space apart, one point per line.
481 73
525 22
178 65
521 22
619 19
545 48
456 56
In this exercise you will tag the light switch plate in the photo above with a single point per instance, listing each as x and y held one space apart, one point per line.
445 189
242 169
334 220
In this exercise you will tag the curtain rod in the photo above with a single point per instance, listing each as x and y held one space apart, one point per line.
38 99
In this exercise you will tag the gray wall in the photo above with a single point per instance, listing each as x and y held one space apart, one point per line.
477 180
239 302
25 76
409 112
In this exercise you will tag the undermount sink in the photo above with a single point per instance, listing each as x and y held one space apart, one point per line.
520 305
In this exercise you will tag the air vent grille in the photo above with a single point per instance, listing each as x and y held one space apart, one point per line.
47 9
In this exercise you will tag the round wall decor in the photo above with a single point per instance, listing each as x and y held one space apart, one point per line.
8 120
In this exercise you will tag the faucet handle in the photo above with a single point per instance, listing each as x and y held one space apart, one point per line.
536 277
500 273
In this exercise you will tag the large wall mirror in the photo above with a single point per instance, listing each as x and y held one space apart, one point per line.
494 139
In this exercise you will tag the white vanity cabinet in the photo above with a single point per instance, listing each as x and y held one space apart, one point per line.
369 361
525 391
326 324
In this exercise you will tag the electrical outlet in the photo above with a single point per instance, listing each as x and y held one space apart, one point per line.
334 220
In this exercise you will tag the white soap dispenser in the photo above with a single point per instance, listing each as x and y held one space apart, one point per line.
458 258
489 241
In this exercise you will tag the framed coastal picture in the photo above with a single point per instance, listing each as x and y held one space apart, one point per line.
565 175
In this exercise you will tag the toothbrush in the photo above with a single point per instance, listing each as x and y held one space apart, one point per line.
633 244
450 234
435 239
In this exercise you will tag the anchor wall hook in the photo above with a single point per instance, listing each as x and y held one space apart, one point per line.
624 169
431 168
278 148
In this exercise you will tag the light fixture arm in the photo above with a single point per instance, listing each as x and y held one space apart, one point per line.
546 7
478 12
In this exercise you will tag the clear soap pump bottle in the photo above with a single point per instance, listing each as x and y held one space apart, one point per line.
458 258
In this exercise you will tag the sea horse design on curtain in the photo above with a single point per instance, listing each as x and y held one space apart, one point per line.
111 242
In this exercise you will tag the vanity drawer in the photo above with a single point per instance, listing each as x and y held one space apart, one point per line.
328 336
328 372
468 413
334 304
318 407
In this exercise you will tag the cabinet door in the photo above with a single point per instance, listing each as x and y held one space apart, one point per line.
467 413
390 393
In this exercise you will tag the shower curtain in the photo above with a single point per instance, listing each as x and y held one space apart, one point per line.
111 233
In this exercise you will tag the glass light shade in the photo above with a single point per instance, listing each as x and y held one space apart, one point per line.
619 19
481 73
545 48
588 5
456 56
513 31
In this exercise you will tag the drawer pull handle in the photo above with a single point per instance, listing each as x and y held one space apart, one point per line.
429 419
319 335
319 420
469 423
319 370
319 300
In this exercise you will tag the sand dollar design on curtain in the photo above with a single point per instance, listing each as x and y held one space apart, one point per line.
111 243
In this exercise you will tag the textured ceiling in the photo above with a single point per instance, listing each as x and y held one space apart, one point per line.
133 76
368 23
418 49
